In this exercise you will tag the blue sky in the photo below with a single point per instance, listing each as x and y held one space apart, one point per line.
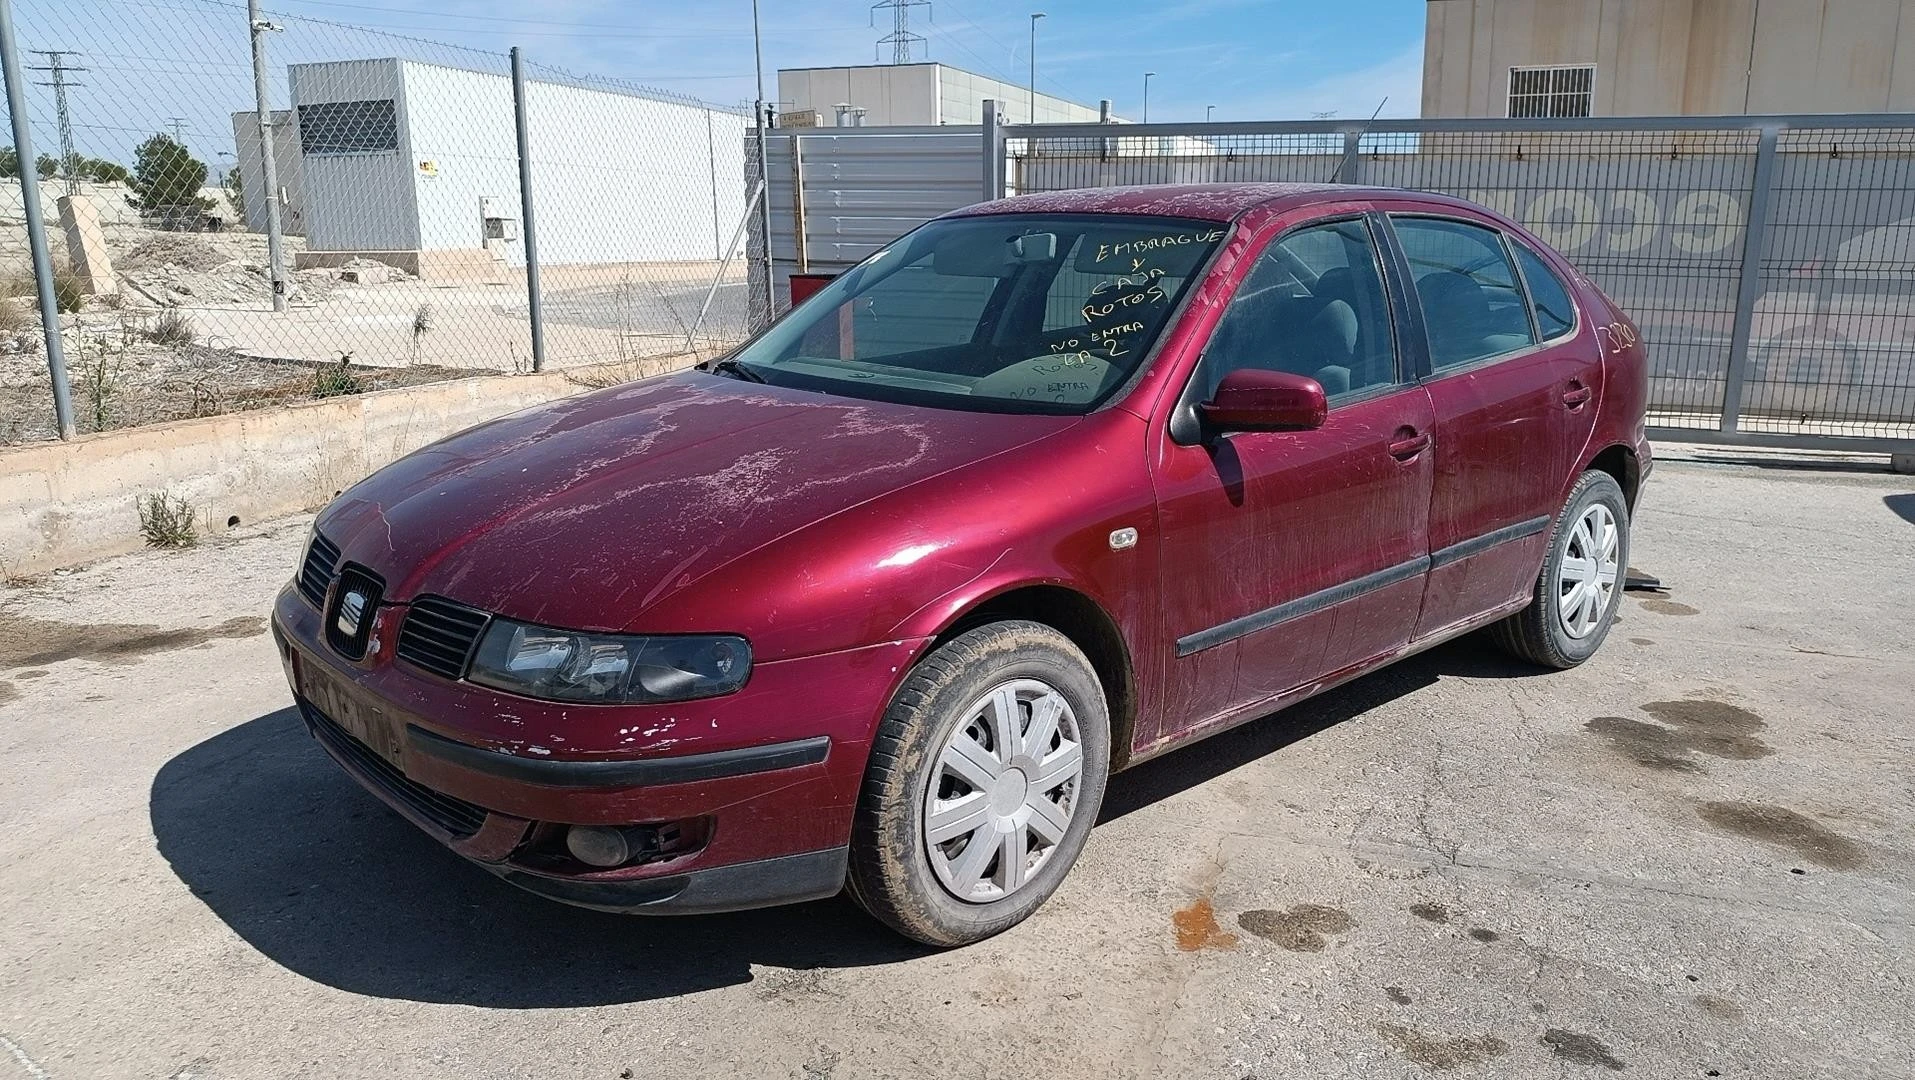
153 61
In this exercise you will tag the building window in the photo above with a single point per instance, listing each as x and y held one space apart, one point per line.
348 127
1551 91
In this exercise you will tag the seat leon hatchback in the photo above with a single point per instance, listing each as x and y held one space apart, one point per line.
1051 485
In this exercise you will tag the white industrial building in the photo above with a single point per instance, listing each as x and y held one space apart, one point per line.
893 94
417 164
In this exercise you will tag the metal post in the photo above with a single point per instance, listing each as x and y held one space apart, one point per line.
993 152
36 227
268 156
1146 117
1035 15
1755 233
711 161
1350 169
532 301
798 202
764 164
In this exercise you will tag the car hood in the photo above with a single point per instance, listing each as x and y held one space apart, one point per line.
585 512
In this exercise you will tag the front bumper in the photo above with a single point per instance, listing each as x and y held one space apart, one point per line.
756 789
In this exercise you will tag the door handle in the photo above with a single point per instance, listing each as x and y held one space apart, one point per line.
1576 393
1404 447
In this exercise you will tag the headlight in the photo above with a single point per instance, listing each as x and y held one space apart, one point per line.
609 669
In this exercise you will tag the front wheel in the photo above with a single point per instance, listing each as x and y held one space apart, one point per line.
985 778
1580 586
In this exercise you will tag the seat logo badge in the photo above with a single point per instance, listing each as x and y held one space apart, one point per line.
352 608
1123 538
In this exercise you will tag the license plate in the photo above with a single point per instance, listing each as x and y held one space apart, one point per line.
362 719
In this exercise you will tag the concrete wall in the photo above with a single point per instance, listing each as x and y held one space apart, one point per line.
919 94
68 503
288 167
1676 57
357 202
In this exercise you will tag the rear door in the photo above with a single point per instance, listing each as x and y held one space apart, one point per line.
1290 555
1497 396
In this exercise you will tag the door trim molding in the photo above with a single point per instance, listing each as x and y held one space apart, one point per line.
1476 545
1301 606
1311 603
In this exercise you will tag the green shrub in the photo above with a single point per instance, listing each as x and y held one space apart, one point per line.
167 522
336 380
170 328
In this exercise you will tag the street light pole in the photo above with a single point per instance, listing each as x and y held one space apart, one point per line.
764 165
1147 76
1208 109
1035 15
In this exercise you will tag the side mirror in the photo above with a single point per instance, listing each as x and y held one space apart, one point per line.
1250 399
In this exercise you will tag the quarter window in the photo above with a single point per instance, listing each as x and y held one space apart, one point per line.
1555 316
1471 305
1313 305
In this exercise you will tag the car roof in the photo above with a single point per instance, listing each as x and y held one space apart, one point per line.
1207 202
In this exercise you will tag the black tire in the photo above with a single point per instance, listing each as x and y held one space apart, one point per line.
1536 633
890 869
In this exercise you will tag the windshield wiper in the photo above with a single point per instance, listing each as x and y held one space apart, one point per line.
729 366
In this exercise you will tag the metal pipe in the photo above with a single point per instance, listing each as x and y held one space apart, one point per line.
764 162
993 152
1147 75
268 156
751 204
798 202
533 303
36 225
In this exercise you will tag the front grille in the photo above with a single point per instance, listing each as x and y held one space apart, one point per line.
322 555
455 816
438 635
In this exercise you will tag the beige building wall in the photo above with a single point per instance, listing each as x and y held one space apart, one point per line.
1674 57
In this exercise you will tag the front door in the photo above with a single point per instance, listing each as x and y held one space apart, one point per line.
1289 556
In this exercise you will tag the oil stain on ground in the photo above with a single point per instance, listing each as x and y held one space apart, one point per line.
1484 934
1396 994
1719 1007
1668 607
1715 728
26 642
1435 913
1433 1052
1300 929
1197 928
1785 828
1579 1048
8 692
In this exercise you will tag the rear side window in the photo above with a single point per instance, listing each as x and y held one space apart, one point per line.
1555 315
1313 305
1467 287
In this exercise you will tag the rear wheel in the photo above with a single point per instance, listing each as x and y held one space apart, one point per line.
985 778
1580 586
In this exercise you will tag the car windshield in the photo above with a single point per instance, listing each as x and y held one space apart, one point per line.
1002 313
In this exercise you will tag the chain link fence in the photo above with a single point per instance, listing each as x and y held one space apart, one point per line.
1768 260
393 166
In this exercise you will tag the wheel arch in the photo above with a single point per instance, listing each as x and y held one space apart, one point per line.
1620 462
1088 626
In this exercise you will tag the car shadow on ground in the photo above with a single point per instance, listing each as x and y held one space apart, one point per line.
321 878
1902 505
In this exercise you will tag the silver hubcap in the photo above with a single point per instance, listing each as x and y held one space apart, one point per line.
1005 787
1586 579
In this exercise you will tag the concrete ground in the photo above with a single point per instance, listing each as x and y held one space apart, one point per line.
1691 857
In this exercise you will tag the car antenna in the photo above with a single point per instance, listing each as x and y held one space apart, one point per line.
1360 132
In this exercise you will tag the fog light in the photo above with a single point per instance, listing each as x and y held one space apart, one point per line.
596 846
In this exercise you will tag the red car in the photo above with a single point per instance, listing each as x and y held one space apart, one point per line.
1047 487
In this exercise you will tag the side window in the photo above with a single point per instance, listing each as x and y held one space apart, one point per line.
1555 315
1313 305
1471 304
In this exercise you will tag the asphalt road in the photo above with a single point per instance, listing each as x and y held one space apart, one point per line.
1692 857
